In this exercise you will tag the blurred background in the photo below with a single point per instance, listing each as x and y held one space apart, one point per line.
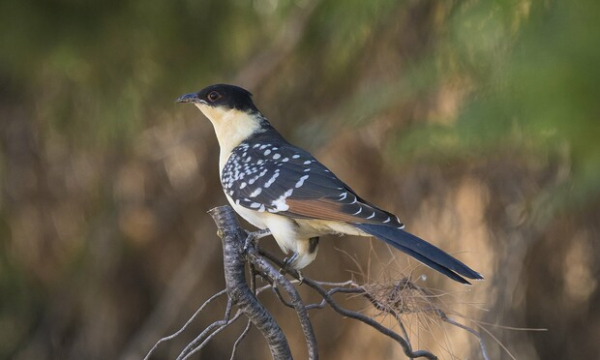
477 122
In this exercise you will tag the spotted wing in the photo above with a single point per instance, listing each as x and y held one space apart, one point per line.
281 178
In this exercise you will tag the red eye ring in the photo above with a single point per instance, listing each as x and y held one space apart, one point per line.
213 96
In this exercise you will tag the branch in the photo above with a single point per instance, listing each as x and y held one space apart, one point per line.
240 294
296 301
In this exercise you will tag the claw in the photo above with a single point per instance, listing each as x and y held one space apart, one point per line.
300 277
253 237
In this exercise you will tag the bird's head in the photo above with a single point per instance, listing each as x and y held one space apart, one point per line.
221 101
231 111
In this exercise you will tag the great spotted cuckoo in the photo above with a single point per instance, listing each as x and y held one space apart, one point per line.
283 189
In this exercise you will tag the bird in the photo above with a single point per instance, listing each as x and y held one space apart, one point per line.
284 191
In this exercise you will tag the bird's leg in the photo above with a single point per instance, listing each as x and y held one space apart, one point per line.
287 262
289 268
253 237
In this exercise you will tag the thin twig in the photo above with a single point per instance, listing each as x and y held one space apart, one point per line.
170 337
240 338
476 333
320 305
221 327
275 290
204 334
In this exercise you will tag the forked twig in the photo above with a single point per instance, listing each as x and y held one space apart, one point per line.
178 332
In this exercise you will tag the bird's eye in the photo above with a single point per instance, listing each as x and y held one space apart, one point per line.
214 96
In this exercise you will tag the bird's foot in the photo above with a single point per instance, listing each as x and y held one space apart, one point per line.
289 267
253 237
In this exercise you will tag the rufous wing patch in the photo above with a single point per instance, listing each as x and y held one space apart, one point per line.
325 209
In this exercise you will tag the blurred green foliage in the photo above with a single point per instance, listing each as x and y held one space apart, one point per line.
534 76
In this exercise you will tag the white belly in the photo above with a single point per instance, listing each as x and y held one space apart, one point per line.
253 217
283 229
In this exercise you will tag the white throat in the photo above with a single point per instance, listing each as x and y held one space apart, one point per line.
231 126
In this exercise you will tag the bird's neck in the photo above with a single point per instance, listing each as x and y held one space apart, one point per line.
232 127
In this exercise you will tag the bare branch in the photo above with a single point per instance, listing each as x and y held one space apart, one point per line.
240 338
233 239
170 337
476 333
222 326
204 334
296 301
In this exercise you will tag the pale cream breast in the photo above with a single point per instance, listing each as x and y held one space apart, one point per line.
231 127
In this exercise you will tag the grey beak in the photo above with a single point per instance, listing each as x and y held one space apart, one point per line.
188 98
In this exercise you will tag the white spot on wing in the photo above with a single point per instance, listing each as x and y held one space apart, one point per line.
301 181
271 180
267 152
280 204
372 216
387 221
343 196
276 156
257 192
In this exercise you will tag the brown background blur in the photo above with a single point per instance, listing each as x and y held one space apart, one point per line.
477 122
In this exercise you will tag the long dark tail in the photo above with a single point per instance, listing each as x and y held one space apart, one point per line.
422 251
